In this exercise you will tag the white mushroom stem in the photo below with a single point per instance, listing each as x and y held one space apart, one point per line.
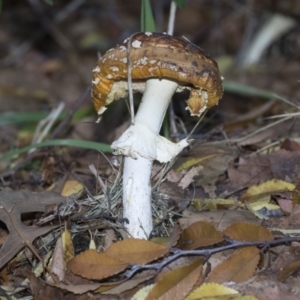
141 144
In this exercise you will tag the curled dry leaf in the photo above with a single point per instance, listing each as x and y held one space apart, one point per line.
289 270
248 232
93 265
237 268
136 251
177 284
199 234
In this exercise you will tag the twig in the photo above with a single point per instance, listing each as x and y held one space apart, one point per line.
177 253
238 140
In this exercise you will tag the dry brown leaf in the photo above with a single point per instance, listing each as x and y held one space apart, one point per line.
289 270
199 234
77 288
173 176
93 265
237 268
57 263
202 204
285 205
170 241
42 291
296 194
188 178
12 206
129 284
282 164
290 145
177 284
110 237
136 251
214 162
248 232
221 219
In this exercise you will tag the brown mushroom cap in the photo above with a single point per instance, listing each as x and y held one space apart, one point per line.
157 55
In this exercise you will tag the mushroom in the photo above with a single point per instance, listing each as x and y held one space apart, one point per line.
160 64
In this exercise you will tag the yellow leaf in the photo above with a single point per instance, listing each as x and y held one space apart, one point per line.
264 204
143 292
266 188
72 187
210 290
192 162
67 246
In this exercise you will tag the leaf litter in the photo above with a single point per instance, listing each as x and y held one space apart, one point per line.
232 200
206 234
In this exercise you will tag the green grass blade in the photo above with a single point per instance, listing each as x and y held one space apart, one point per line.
179 3
34 117
23 117
63 142
247 90
147 20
